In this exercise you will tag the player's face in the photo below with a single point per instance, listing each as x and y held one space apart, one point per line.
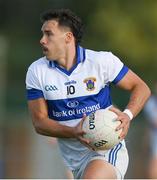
53 40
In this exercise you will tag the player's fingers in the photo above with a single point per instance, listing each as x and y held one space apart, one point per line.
122 136
84 140
122 125
81 133
124 128
123 133
88 145
119 126
115 110
83 118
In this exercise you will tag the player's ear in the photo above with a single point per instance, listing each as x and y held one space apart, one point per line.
69 37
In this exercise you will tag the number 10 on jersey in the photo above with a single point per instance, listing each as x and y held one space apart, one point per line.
70 89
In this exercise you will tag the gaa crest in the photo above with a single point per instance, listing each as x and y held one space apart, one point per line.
90 83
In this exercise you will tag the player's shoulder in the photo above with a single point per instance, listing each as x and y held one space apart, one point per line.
41 62
92 54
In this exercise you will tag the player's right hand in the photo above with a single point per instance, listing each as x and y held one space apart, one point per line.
78 133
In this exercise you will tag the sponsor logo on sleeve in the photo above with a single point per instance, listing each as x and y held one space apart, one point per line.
51 88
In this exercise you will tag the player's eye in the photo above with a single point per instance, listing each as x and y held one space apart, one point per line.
47 33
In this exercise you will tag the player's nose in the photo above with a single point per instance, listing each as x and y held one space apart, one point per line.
42 41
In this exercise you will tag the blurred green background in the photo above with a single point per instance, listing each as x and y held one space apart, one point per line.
126 28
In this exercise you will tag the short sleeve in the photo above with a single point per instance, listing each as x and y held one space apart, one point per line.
116 70
33 88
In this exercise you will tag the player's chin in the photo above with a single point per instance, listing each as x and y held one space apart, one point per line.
45 52
48 57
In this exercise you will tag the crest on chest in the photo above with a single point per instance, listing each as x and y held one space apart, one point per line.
90 83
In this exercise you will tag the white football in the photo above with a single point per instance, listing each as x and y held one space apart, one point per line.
100 129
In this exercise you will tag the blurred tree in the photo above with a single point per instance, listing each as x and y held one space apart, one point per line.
129 29
126 28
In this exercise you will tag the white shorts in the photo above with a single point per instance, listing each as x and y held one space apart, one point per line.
118 157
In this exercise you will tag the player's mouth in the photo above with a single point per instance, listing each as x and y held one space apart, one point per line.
45 50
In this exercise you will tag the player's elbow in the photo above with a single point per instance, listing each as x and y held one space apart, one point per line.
147 91
38 123
38 129
144 91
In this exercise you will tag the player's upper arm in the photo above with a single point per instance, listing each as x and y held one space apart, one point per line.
114 69
38 109
130 80
33 84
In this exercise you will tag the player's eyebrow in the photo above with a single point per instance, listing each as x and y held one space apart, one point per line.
47 31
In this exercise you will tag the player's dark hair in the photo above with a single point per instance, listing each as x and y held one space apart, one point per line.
67 18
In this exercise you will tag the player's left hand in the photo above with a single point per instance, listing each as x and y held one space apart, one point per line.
125 122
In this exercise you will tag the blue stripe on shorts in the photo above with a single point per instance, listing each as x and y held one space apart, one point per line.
113 154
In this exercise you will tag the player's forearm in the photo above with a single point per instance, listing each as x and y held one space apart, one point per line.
52 128
139 95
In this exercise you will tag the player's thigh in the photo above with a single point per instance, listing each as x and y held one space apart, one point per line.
99 169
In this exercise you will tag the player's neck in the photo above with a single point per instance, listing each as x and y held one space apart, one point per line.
68 60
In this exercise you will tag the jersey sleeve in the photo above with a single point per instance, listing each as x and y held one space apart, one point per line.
116 70
33 88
